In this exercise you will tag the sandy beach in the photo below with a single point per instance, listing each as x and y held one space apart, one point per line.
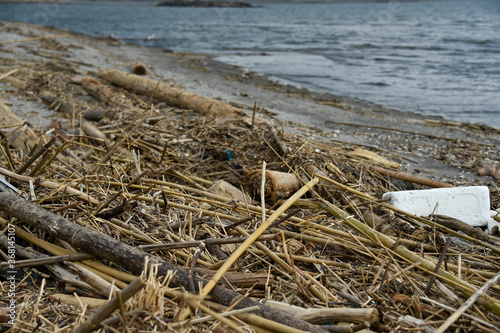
436 147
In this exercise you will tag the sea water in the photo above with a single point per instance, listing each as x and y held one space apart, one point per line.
434 58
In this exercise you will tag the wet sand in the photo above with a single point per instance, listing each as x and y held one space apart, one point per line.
431 146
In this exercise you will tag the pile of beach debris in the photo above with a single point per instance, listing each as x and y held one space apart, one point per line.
148 208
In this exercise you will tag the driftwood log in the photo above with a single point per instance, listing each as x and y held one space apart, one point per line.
130 257
173 96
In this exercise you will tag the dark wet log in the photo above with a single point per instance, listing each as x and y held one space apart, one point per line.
129 257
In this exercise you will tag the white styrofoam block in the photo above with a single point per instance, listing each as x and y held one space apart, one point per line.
470 204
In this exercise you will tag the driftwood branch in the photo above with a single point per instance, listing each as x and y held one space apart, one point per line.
129 257
410 178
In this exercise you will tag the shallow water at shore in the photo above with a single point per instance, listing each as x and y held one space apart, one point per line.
434 58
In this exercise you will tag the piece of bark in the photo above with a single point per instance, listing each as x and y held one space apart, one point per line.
115 211
282 146
173 96
129 257
20 137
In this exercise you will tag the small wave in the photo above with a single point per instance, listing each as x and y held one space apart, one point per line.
365 46
404 47
378 84
467 41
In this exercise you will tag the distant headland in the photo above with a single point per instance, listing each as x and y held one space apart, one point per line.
204 3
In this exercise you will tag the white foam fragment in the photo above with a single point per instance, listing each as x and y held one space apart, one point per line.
470 204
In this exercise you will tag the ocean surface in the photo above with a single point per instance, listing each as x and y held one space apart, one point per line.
433 58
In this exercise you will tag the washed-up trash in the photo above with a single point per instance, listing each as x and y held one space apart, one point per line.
5 186
470 204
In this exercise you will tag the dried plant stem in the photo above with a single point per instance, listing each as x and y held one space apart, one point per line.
420 219
132 258
207 318
108 273
94 322
35 156
208 242
268 325
321 315
8 73
48 261
50 184
307 259
195 302
263 192
236 254
388 243
479 293
453 310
